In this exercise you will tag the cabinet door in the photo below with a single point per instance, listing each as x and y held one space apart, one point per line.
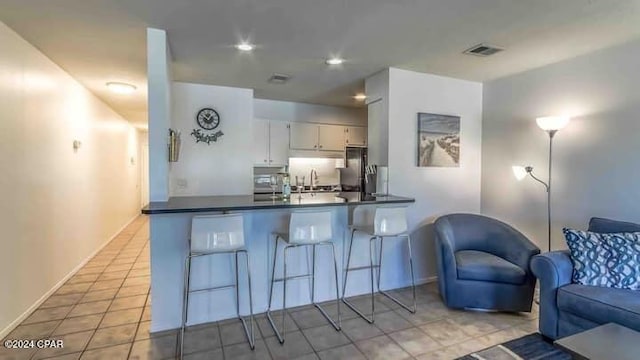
278 143
331 137
303 136
261 142
356 136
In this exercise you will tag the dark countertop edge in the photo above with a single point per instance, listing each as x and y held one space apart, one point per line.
146 211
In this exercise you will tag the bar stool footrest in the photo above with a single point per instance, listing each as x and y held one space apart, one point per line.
370 320
250 335
394 299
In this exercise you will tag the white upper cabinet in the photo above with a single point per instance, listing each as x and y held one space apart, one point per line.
303 136
356 136
331 137
324 138
261 142
278 143
270 143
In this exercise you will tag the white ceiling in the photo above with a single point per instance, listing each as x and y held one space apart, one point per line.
101 40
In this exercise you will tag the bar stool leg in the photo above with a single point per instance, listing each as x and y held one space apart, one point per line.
413 282
185 305
371 319
273 280
337 326
346 271
249 334
335 271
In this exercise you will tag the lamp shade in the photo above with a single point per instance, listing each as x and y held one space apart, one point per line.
552 123
520 172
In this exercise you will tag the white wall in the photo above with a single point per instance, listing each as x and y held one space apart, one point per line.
58 206
159 105
596 166
437 191
301 112
223 167
377 90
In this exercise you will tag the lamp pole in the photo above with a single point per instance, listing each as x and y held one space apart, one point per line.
551 125
551 134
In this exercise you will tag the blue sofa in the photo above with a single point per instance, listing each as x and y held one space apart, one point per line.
483 263
566 308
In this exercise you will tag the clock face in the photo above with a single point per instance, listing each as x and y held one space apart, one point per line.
208 119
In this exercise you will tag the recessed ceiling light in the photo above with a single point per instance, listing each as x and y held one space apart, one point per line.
360 97
244 46
121 88
334 61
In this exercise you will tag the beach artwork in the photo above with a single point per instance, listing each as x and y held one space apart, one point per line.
438 140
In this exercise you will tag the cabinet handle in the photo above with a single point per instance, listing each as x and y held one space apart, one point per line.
265 160
320 146
315 146
347 141
270 161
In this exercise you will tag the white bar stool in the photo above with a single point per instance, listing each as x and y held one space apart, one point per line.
389 222
217 235
306 229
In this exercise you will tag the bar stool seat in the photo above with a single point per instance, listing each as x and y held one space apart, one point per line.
389 222
217 235
306 229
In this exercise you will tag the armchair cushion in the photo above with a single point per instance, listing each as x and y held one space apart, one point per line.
483 266
601 305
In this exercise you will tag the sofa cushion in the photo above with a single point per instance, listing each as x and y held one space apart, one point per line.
483 266
601 225
601 305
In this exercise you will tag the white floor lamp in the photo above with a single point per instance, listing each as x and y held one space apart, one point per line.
550 124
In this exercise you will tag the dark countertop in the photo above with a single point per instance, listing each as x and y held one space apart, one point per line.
190 204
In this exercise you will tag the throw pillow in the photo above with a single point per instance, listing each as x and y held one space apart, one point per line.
589 256
611 260
625 259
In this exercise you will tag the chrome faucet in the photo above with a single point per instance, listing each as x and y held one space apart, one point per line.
313 177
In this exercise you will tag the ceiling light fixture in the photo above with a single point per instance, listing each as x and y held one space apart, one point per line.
360 97
334 61
244 46
121 88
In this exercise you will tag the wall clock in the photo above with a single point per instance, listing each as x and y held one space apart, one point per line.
208 119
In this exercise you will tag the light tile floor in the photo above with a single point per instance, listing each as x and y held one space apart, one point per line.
103 312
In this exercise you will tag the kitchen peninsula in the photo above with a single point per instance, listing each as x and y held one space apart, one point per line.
170 227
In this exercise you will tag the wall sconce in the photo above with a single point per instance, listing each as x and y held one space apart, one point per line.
174 145
550 124
76 145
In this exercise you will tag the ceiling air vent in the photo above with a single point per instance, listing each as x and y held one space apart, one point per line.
483 50
279 78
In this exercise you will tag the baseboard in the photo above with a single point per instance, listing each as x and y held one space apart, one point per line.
4 332
427 280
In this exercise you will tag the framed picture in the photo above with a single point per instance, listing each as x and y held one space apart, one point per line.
438 140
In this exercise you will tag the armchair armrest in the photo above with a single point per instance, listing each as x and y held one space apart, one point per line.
518 249
445 256
554 270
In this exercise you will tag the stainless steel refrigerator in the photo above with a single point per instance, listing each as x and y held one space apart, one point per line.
352 176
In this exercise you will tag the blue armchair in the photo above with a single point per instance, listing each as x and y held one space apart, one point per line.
483 263
567 308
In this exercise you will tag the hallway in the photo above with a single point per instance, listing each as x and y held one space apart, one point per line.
101 310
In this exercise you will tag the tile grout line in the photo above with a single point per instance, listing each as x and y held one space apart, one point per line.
105 313
85 292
